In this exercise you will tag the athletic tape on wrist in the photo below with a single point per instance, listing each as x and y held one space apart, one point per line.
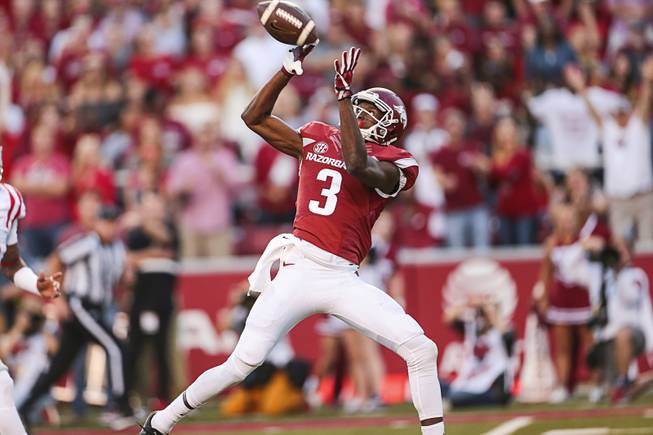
26 279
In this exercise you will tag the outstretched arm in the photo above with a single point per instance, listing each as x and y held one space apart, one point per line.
370 171
576 80
14 268
643 106
258 113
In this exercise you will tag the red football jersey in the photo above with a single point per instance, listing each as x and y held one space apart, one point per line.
335 211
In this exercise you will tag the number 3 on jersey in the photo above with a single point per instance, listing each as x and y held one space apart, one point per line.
329 193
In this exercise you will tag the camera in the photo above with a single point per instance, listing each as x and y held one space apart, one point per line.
608 257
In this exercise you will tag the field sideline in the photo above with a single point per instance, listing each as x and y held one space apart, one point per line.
400 420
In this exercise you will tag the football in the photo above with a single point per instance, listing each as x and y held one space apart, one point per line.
286 22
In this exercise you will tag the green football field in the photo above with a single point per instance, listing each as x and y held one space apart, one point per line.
573 418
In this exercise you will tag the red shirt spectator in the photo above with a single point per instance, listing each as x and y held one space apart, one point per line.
276 182
42 178
455 162
412 227
146 64
88 175
452 24
204 56
513 175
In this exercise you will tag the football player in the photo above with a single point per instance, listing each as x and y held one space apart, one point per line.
12 209
346 177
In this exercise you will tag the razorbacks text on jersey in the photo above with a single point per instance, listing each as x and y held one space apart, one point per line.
12 209
335 211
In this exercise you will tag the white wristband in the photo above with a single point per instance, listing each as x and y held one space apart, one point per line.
26 279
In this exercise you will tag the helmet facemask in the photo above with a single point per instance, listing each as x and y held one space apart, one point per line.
378 132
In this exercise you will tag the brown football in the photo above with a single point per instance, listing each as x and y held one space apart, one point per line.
287 22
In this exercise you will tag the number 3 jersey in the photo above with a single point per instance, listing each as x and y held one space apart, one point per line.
336 211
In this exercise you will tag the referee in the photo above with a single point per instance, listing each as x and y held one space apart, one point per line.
93 264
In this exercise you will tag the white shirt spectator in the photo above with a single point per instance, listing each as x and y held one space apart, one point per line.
261 57
629 305
627 157
319 11
421 144
485 359
574 134
129 21
170 32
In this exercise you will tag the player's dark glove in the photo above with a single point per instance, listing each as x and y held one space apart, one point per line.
292 64
345 72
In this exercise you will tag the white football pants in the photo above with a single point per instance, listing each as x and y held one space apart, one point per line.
10 423
310 281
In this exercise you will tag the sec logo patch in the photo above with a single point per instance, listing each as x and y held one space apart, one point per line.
320 148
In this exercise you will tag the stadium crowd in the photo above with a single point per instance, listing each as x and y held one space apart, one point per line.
121 97
518 109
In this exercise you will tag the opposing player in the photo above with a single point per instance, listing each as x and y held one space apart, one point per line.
346 177
12 209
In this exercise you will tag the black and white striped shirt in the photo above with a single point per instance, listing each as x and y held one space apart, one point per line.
93 269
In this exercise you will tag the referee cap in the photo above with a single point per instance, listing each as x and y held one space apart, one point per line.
108 213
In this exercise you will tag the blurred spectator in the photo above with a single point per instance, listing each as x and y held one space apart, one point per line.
148 65
233 94
624 323
121 18
88 171
85 211
168 25
69 47
200 180
626 138
485 109
574 137
424 139
36 85
512 173
203 54
276 180
192 106
500 44
153 250
117 144
548 53
484 375
43 179
457 167
95 99
627 15
146 168
452 23
268 53
27 345
12 121
564 297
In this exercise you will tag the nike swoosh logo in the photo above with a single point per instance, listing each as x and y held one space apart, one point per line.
284 264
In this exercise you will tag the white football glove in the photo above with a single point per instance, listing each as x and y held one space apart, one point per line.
292 64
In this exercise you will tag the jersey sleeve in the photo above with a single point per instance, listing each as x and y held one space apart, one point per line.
22 212
408 169
12 237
